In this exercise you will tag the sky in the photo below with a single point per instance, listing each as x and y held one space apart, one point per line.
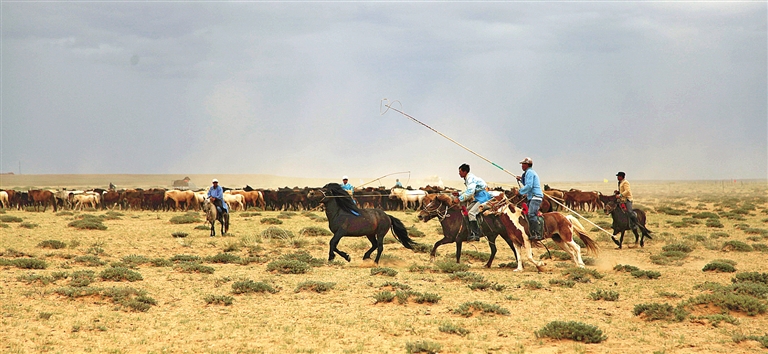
660 90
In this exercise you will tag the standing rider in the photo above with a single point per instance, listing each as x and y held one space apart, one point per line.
475 188
532 190
624 197
216 194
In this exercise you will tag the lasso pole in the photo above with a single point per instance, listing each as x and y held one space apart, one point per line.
385 103
376 179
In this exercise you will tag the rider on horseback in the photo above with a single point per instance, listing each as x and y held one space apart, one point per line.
216 193
532 190
476 188
624 196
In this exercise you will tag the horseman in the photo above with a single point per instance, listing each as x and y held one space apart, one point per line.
476 189
624 197
532 191
398 184
347 186
216 194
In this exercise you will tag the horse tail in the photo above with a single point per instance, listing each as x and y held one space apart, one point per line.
401 233
578 229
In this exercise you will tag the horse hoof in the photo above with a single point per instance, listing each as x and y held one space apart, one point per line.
616 242
347 258
517 270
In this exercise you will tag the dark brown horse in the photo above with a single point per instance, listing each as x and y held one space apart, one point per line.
346 219
455 228
621 222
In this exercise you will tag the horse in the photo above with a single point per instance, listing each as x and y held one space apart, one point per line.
455 229
212 215
346 219
558 227
409 197
621 222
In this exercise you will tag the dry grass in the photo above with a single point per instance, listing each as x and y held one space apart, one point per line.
180 306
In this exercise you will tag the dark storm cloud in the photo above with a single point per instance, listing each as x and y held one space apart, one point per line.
664 90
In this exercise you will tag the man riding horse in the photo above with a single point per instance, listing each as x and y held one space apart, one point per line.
216 194
532 191
624 197
475 188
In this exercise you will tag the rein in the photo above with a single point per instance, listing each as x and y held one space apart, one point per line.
436 210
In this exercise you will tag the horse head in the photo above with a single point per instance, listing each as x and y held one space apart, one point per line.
316 195
435 205
609 206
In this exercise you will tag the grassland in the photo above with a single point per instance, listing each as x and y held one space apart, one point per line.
134 287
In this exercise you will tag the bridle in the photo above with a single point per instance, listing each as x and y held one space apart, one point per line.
436 210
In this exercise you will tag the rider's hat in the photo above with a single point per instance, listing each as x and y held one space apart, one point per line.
621 174
215 181
527 160
345 177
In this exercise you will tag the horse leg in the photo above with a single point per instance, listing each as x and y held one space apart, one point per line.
613 237
512 247
529 253
492 244
213 228
519 260
458 251
574 250
335 242
374 244
380 246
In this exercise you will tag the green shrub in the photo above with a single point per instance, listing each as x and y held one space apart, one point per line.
416 268
82 278
714 223
185 219
512 265
202 227
90 260
733 302
54 244
303 256
453 329
582 275
421 247
532 285
479 256
719 234
451 267
273 232
316 286
562 282
383 271
706 215
219 300
625 268
65 213
24 263
763 340
670 211
760 247
179 234
467 277
42 279
120 274
28 225
467 309
555 254
10 218
577 331
250 286
271 221
753 277
288 266
607 295
737 246
668 257
223 258
421 298
414 232
719 267
680 247
186 258
484 285
88 224
383 297
422 346
193 267
648 274
315 231
655 311
135 260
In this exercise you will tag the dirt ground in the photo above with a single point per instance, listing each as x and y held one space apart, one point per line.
347 319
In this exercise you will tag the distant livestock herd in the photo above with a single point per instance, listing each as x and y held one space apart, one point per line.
160 199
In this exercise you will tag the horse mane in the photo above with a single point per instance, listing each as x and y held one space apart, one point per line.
342 198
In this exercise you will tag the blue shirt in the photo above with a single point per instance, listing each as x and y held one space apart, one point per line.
476 187
531 185
218 193
347 187
398 185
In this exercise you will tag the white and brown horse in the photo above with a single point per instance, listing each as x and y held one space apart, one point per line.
558 227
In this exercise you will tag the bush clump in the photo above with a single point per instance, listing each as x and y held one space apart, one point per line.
190 218
219 300
120 274
277 233
250 286
315 231
670 211
271 221
655 311
714 223
737 246
625 268
223 258
453 329
733 302
565 283
383 271
305 257
82 278
422 346
753 277
181 234
54 244
648 274
607 295
467 309
451 267
90 260
193 267
24 263
720 267
313 285
10 218
186 258
285 266
582 275
88 224
572 330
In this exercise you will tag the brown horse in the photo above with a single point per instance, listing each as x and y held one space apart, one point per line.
42 197
558 227
454 227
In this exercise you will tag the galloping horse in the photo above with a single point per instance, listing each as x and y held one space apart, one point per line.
212 215
454 228
558 227
346 219
621 222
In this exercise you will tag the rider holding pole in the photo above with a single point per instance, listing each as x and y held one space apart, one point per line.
624 196
475 188
532 191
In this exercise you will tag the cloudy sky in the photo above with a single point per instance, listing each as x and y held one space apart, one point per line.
660 90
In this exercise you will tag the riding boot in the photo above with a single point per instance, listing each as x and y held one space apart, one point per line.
533 228
474 231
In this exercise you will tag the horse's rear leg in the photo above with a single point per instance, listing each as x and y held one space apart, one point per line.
574 250
333 250
492 244
374 245
380 246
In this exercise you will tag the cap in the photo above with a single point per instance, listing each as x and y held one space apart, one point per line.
345 177
215 181
527 160
622 174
